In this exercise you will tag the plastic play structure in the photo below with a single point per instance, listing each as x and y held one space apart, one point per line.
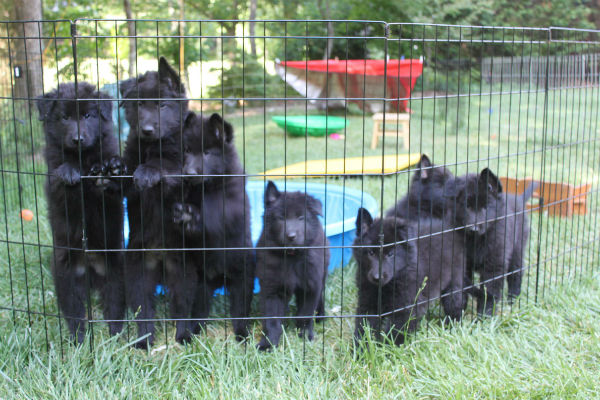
314 125
345 166
352 81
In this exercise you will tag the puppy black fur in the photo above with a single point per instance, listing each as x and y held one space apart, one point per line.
80 141
497 231
291 220
436 262
216 213
154 150
425 197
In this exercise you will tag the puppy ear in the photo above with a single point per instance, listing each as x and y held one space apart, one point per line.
489 182
105 106
190 116
363 220
46 103
271 194
168 75
221 129
402 229
423 168
127 86
314 205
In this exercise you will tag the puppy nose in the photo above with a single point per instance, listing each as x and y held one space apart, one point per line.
191 171
291 235
147 130
75 140
375 275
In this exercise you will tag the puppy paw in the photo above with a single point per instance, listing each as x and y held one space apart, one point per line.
145 177
67 174
306 333
264 344
115 167
98 172
182 213
184 337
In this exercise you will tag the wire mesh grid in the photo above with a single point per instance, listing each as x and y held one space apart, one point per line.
146 195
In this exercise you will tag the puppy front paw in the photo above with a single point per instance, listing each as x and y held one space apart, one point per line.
145 177
115 167
68 174
182 213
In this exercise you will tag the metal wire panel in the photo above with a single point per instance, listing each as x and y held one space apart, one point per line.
520 101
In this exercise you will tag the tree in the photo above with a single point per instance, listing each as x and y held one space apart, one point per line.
131 34
26 51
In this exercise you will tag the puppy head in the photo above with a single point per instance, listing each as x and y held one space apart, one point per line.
395 257
427 172
291 218
478 200
155 102
208 142
75 119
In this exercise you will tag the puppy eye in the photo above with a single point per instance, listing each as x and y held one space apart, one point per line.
390 254
206 152
86 115
140 103
301 217
371 252
65 116
163 104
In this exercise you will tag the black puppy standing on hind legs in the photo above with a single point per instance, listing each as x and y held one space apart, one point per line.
291 221
155 106
418 265
497 232
216 214
79 133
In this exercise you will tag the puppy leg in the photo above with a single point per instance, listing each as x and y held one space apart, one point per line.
493 281
454 299
182 282
367 305
71 293
273 306
321 307
201 305
113 293
515 268
241 289
141 283
307 304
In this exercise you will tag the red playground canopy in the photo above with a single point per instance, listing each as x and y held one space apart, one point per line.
354 79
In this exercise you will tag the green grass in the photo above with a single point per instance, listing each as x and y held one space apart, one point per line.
548 349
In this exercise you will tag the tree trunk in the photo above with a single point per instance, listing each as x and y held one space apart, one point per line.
26 54
252 26
326 14
131 34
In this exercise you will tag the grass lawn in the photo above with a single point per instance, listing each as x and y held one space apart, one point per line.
544 349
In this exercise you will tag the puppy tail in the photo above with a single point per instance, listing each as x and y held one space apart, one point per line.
529 191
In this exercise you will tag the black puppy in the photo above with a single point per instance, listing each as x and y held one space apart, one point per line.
155 106
290 221
411 274
425 197
216 214
80 141
497 231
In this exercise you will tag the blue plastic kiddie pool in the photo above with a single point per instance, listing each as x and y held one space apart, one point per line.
340 206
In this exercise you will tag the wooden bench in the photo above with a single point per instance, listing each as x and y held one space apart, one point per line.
396 125
561 199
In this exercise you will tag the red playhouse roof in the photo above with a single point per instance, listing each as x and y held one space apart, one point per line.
395 68
354 79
